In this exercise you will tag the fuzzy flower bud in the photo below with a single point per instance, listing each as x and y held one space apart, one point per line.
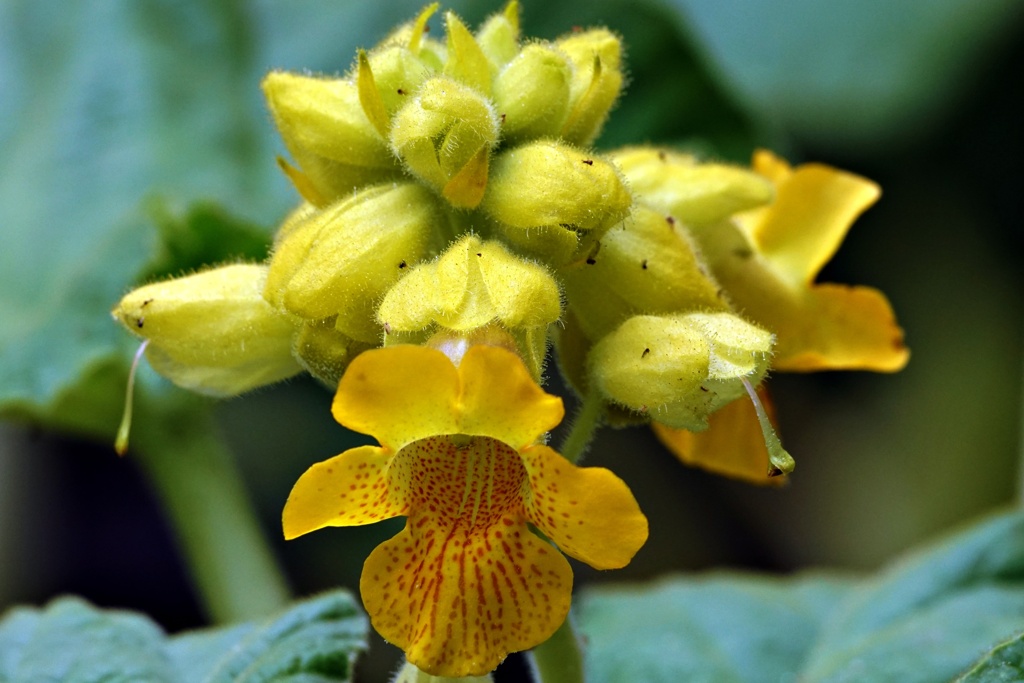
212 332
473 284
693 192
532 93
341 260
557 188
444 135
325 352
597 81
680 368
645 265
329 135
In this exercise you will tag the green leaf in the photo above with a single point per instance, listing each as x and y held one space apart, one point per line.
925 619
720 628
870 73
106 106
931 615
315 641
1003 664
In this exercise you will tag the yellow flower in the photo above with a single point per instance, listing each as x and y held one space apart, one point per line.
766 259
467 581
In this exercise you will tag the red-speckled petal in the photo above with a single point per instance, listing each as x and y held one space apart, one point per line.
588 511
348 490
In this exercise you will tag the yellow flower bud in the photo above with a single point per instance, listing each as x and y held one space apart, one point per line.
646 265
596 84
212 332
398 73
693 192
444 135
499 36
466 63
341 260
679 368
325 352
547 183
326 130
532 93
473 284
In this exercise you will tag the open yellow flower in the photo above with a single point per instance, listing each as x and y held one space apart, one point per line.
467 581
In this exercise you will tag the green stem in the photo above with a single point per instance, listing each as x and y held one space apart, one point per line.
559 659
194 475
584 425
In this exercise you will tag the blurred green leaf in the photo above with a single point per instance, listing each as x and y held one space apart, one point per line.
869 73
722 628
108 104
925 619
1004 664
73 642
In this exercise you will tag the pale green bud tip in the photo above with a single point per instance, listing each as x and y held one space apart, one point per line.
693 192
473 284
410 673
679 368
212 332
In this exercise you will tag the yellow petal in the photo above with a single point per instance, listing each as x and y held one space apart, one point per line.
732 445
501 400
466 582
771 166
839 327
813 210
348 490
588 511
458 603
398 395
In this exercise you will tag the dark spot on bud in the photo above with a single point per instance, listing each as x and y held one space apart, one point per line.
704 388
590 261
479 253
387 328
743 253
503 118
662 155
140 322
403 264
588 162
671 220
644 354
146 303
643 264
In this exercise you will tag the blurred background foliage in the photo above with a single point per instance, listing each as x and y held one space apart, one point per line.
132 128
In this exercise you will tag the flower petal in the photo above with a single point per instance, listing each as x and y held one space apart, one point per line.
838 327
459 602
501 400
347 490
587 511
812 212
732 445
399 394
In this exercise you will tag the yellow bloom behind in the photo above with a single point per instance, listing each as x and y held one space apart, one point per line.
467 581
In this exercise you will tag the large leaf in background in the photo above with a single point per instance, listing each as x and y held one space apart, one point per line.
722 628
1004 664
73 642
861 73
926 619
105 105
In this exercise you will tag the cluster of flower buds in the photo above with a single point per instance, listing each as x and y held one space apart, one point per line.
450 188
